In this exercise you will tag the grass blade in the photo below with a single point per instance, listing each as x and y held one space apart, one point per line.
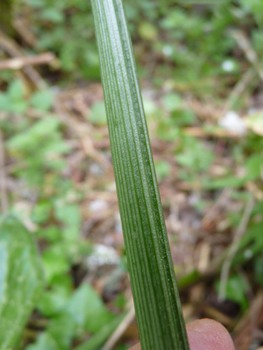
157 305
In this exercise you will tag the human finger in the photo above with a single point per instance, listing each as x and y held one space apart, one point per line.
205 334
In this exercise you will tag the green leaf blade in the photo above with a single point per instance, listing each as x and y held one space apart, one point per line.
156 298
21 280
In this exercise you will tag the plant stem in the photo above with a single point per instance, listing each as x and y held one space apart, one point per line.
157 304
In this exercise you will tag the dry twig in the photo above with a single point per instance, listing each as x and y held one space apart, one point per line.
21 62
239 88
244 334
13 50
4 199
214 210
241 230
23 30
83 131
250 54
120 330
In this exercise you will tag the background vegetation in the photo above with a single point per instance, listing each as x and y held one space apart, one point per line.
200 67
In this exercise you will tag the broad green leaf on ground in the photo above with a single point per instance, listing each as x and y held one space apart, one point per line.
42 100
172 101
99 338
30 138
195 157
236 289
88 310
62 329
254 122
70 215
21 279
83 312
52 303
98 114
16 90
13 100
55 262
162 169
45 341
254 166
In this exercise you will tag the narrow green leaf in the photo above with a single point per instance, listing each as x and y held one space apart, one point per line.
157 304
21 280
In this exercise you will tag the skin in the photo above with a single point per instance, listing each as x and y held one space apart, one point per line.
205 334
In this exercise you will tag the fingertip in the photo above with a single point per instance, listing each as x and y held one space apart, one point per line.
136 347
208 334
205 334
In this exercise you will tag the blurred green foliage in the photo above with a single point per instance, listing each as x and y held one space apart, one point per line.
182 47
184 36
